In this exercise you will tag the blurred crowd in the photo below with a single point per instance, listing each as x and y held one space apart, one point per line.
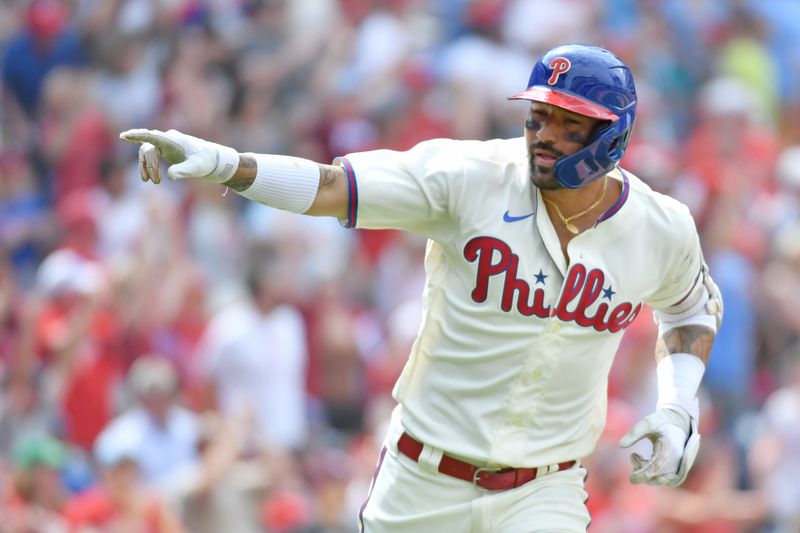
174 358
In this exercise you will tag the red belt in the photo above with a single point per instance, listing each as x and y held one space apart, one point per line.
485 478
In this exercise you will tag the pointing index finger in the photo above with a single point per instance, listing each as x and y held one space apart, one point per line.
139 135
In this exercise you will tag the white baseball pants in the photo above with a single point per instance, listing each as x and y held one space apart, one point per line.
411 497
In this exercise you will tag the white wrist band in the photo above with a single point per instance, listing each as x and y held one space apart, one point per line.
679 377
283 182
227 163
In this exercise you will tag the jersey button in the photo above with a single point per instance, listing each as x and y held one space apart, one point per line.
554 327
536 374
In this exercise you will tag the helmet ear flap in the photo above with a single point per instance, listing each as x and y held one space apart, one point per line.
599 128
619 143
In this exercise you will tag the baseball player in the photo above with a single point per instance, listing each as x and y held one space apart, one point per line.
541 251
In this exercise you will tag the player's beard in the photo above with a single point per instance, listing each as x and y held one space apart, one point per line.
542 176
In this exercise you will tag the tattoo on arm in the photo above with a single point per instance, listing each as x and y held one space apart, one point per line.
245 175
696 340
332 195
328 174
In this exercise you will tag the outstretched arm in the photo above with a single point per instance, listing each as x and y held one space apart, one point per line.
289 183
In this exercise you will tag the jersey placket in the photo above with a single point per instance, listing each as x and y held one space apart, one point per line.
519 420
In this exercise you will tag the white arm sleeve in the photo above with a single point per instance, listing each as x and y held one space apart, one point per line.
681 259
406 190
687 294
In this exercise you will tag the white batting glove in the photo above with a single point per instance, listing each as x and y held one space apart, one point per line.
675 445
189 157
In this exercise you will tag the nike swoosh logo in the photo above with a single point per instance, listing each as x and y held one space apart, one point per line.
510 218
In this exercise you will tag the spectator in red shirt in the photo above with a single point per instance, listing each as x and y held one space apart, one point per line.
74 134
121 503
72 334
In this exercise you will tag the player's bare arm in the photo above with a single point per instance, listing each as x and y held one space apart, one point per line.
332 195
696 340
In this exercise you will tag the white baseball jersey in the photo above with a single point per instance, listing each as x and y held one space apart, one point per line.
511 362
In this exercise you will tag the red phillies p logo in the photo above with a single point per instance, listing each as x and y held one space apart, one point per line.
560 65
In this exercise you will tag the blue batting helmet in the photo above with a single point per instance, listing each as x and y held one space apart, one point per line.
589 81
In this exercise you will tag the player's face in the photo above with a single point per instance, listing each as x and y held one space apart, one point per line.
552 132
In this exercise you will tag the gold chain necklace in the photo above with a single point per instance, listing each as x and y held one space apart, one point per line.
567 221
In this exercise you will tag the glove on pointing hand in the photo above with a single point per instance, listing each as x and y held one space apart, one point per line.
189 157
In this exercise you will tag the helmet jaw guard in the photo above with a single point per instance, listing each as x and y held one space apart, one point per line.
593 82
598 158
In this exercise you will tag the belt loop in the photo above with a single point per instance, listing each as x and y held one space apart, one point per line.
430 458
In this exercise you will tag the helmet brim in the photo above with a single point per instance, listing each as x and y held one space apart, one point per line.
566 101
